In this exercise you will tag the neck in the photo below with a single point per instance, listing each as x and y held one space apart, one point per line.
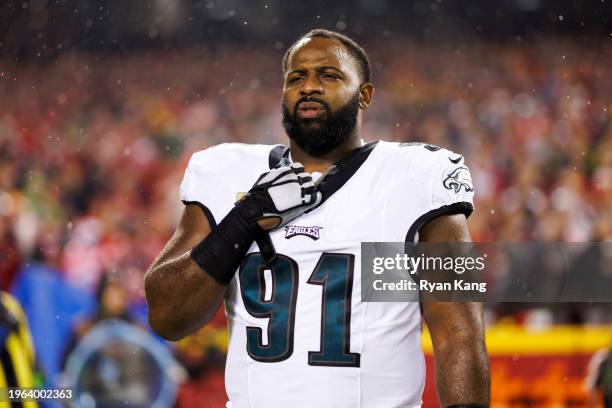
322 163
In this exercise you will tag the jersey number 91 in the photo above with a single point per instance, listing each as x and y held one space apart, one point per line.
334 272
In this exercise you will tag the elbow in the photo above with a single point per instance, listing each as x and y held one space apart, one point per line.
165 328
165 321
175 313
172 323
169 327
162 319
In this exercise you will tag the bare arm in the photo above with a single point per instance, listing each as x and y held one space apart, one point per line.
181 297
457 331
186 283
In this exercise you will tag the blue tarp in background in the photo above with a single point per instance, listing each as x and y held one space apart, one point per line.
52 307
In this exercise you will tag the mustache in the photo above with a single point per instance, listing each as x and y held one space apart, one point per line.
311 99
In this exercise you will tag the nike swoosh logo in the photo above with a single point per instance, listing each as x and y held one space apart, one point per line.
456 160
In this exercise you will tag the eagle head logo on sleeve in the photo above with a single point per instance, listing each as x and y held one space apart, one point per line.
459 178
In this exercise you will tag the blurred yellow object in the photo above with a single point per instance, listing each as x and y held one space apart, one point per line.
207 336
18 360
540 368
514 339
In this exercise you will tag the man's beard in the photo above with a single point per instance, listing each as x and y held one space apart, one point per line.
318 136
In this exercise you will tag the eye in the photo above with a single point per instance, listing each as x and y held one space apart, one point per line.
294 79
330 76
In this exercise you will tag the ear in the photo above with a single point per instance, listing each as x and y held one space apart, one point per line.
366 93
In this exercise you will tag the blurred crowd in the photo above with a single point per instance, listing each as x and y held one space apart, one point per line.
93 145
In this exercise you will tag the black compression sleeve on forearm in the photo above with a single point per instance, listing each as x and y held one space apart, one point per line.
220 253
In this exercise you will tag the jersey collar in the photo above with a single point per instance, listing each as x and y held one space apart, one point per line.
340 172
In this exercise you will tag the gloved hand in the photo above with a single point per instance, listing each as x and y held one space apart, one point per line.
282 194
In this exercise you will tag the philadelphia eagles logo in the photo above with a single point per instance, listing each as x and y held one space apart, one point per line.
458 178
310 232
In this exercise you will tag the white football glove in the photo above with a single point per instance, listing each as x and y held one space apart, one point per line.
284 193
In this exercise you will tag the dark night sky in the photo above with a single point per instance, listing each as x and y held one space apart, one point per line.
49 27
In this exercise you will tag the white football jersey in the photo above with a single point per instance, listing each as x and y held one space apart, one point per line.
299 334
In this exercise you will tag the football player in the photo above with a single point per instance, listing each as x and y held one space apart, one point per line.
275 233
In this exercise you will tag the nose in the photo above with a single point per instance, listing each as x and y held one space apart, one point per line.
311 86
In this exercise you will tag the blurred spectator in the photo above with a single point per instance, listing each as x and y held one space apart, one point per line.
112 303
111 360
10 258
599 380
17 356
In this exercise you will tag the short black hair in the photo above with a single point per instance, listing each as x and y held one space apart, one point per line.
352 47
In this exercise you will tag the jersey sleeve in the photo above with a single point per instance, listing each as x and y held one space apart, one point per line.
452 185
450 189
202 186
